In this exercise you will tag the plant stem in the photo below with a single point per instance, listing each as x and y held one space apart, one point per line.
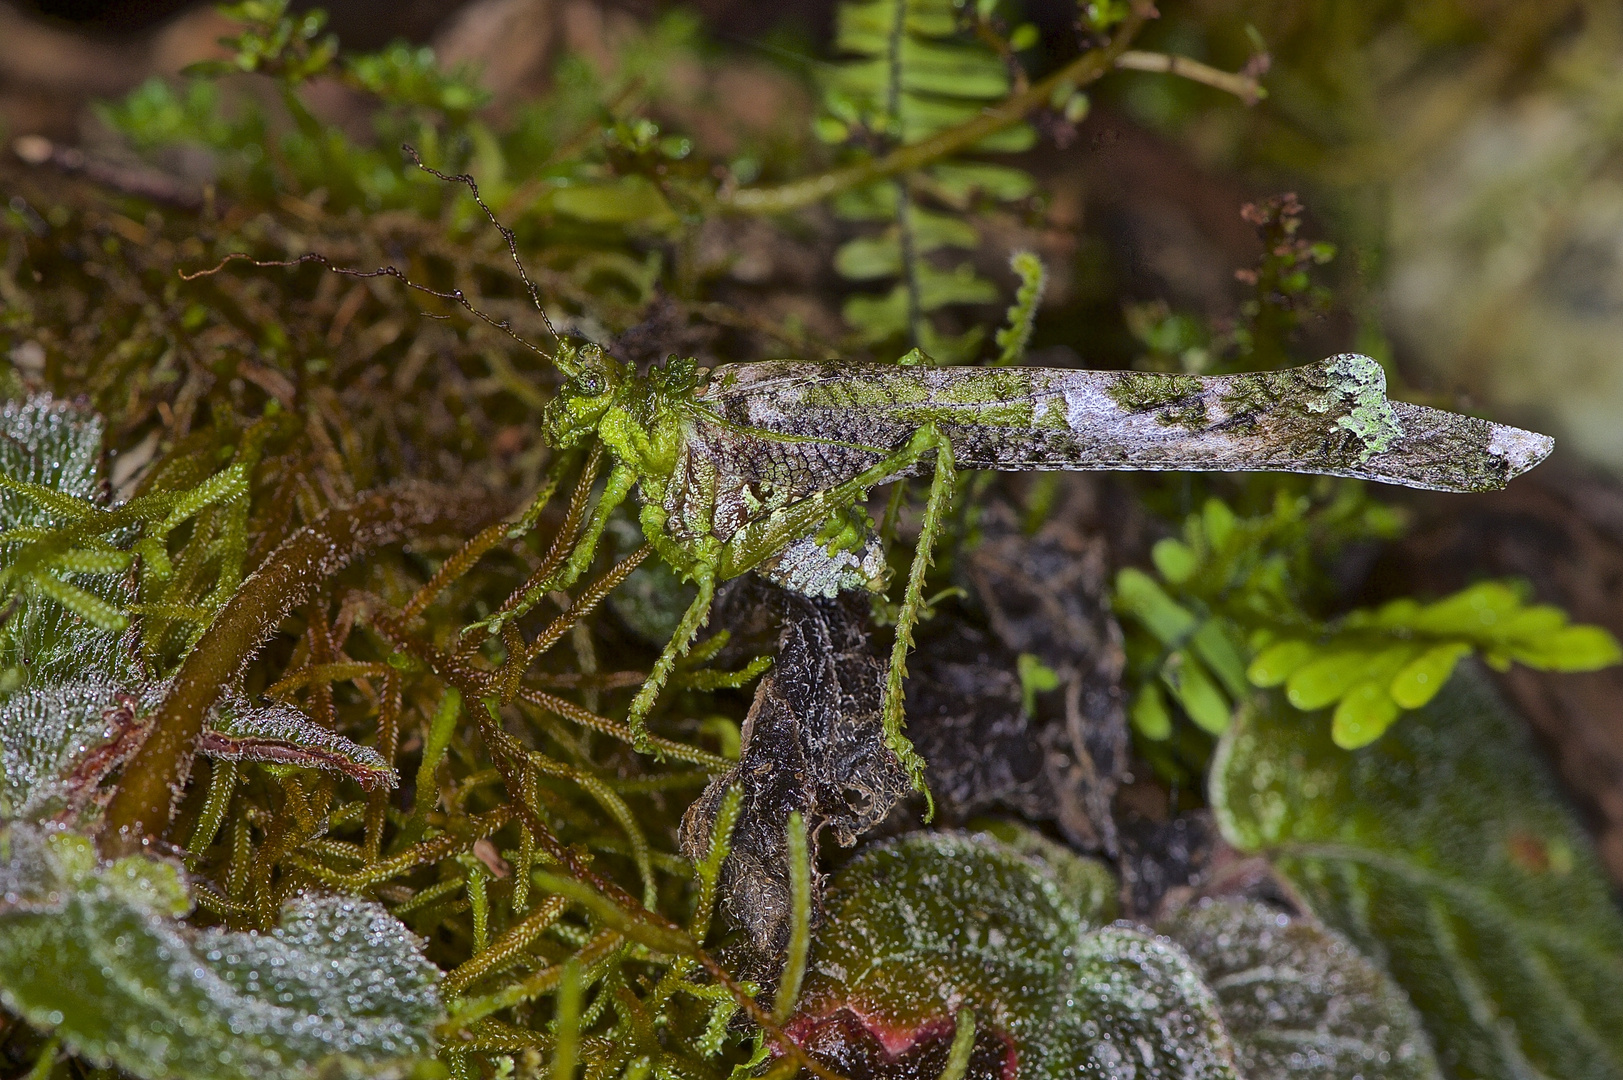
1241 85
156 775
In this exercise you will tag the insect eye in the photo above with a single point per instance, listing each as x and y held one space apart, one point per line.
590 383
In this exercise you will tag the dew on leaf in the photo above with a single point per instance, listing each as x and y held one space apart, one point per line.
337 976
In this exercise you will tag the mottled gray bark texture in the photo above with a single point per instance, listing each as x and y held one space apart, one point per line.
1332 417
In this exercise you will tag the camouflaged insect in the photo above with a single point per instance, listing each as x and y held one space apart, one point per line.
765 466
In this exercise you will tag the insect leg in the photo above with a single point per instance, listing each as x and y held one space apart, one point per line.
615 489
759 539
697 614
935 509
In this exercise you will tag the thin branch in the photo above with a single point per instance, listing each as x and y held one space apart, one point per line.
1241 85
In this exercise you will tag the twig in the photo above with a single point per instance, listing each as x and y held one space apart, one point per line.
1241 85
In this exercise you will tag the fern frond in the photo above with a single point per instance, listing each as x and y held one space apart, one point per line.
916 68
1225 617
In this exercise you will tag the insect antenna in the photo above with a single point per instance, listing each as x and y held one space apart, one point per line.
507 234
455 295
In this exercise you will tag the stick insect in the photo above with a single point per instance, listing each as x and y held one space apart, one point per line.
766 466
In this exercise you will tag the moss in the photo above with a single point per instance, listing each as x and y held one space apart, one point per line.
1052 415
1350 383
1175 398
867 390
1361 380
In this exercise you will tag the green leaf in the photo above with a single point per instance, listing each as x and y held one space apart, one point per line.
869 257
402 75
1422 677
1214 645
867 27
1483 610
951 348
878 317
959 285
933 231
130 985
1575 648
1036 678
1025 36
1219 523
922 927
239 730
60 628
930 67
959 180
1299 1000
1324 680
1363 715
629 200
1532 623
1140 596
1446 851
1150 714
1088 885
1197 692
1175 559
46 732
1277 662
870 202
51 444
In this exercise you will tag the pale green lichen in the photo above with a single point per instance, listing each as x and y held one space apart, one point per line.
1361 381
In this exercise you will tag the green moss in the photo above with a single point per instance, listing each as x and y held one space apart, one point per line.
1176 398
986 386
871 390
1350 383
1052 415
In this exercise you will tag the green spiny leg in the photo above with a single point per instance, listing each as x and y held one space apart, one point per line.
615 489
697 614
765 537
935 509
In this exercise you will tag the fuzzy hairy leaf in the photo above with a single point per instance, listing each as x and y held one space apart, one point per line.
50 454
1300 1002
50 738
934 923
59 739
1445 852
239 730
52 444
128 984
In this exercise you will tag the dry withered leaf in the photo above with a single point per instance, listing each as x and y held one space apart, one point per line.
1045 596
812 742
